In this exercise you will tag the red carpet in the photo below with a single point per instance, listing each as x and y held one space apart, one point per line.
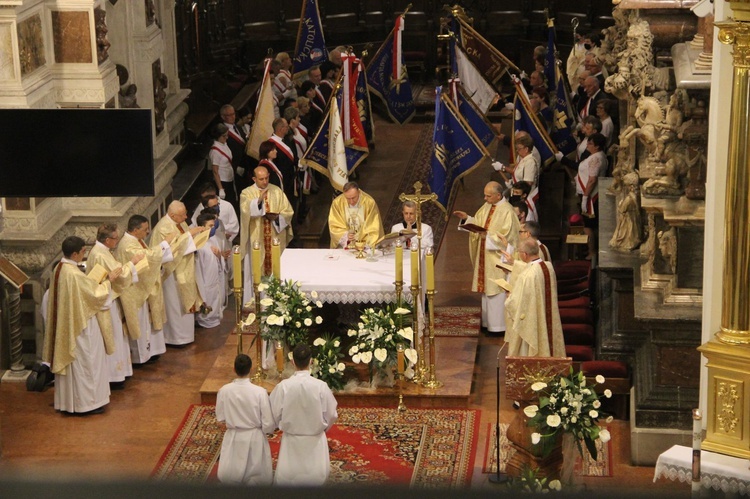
457 321
421 447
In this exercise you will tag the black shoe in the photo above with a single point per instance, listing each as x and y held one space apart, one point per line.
98 410
205 309
496 334
116 385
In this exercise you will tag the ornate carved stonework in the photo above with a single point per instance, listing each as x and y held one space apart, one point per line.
31 44
161 85
7 64
727 395
71 32
102 44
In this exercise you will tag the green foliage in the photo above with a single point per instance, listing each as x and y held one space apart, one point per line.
286 312
327 364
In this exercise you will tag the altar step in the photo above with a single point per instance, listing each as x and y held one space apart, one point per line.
455 369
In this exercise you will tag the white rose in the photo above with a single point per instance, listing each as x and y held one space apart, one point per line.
553 420
539 385
308 308
319 342
262 287
356 358
605 436
319 304
365 357
563 410
599 379
552 400
536 438
353 350
608 393
596 404
332 370
308 322
314 295
411 355
318 320
593 413
555 485
530 410
351 333
336 343
298 324
266 302
381 354
341 366
573 419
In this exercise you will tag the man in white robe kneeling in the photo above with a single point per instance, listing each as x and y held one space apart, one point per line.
532 315
304 409
245 453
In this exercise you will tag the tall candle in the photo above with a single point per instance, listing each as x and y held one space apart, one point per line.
279 357
276 259
696 468
430 264
237 261
414 267
400 359
257 274
399 261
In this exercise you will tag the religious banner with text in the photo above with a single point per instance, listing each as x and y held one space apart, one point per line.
262 127
489 60
525 119
311 46
564 122
388 79
456 151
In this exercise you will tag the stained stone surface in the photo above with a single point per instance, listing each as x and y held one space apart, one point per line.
7 69
31 45
72 36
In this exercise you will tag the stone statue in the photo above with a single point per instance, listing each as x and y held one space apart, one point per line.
636 75
614 38
160 101
623 163
127 96
627 234
668 247
150 12
102 44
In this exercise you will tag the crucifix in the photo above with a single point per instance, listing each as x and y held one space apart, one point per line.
421 371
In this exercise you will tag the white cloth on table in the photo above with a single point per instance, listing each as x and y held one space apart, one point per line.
245 454
718 471
304 409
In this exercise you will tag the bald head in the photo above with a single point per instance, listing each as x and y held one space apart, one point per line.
591 85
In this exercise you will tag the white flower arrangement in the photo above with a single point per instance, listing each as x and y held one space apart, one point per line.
567 405
377 337
327 365
286 312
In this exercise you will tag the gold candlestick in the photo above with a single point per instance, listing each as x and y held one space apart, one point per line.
237 297
432 382
420 370
400 375
260 374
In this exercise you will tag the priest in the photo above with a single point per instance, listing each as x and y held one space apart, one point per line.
265 214
499 220
74 346
181 296
119 363
532 316
354 215
143 302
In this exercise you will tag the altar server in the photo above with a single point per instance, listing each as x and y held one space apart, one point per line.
304 409
211 273
245 454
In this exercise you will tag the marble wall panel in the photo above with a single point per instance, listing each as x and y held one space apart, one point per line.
7 66
71 31
31 44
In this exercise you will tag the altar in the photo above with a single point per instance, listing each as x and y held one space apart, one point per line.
339 277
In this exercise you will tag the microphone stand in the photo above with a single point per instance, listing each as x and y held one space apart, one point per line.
498 478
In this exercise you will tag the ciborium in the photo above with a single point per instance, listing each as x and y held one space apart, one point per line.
360 247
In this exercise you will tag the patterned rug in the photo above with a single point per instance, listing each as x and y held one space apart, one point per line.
457 321
431 448
601 467
419 169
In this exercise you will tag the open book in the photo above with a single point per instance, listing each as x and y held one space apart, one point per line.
98 273
201 239
505 267
469 227
392 238
503 284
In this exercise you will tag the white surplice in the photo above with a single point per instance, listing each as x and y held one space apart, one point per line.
245 454
211 277
304 409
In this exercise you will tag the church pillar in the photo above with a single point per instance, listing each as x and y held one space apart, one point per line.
728 353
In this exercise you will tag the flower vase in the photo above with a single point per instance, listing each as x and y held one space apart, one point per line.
570 454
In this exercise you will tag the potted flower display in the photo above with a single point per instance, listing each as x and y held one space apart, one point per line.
327 364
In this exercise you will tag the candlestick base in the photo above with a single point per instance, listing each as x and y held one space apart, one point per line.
432 383
401 406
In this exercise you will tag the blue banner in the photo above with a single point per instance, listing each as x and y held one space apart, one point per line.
396 94
311 46
456 151
564 120
550 63
476 121
525 120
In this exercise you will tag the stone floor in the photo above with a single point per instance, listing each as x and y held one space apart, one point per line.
127 440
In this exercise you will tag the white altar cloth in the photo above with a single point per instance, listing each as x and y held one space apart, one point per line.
339 277
718 471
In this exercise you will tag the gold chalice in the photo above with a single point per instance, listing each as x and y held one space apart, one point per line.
360 247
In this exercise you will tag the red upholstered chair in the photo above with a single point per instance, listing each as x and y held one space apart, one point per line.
578 302
580 315
617 379
578 334
571 295
579 354
582 286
